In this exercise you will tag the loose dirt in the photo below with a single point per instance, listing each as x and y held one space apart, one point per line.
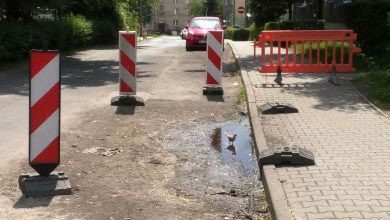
151 162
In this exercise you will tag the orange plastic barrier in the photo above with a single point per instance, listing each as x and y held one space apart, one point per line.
320 44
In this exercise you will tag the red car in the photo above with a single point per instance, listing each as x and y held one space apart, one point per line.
197 31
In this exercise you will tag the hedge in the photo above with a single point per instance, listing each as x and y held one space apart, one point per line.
368 20
237 34
254 32
17 39
296 25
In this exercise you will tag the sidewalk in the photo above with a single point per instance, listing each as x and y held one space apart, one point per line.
349 138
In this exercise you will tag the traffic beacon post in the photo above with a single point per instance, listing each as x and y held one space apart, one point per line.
214 63
44 128
127 71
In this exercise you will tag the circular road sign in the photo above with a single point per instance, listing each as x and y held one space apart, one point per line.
241 9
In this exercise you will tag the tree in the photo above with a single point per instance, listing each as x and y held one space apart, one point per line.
195 8
213 7
205 7
264 11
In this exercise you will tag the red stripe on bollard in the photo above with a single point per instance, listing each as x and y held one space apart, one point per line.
214 58
44 99
127 63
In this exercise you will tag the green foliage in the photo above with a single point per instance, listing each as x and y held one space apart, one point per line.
228 33
254 32
368 20
15 41
205 7
237 34
380 85
264 11
77 31
104 32
296 25
272 26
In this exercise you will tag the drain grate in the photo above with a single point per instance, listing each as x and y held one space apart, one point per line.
277 108
294 155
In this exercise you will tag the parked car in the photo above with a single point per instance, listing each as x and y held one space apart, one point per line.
184 32
197 31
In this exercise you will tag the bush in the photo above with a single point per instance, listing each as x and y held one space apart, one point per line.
254 32
104 32
237 34
380 82
241 34
77 31
296 25
15 41
272 26
368 20
228 33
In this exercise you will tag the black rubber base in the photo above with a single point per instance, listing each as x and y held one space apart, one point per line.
33 185
211 90
127 100
44 169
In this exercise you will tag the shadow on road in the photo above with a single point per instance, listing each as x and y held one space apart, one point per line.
74 73
313 85
125 110
24 202
215 98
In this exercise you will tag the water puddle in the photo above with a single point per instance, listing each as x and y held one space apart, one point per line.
242 148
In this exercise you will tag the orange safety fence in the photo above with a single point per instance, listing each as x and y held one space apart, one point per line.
314 47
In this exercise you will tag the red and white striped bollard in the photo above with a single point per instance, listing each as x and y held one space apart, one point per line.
44 120
127 70
214 63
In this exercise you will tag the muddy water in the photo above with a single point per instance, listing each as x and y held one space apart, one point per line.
241 150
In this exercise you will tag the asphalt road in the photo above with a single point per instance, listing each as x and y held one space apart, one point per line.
89 80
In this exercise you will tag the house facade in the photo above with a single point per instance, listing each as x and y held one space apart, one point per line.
235 12
171 15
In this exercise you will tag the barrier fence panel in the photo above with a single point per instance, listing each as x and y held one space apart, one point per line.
44 120
307 51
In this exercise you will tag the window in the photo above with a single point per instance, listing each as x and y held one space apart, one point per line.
176 11
175 23
175 2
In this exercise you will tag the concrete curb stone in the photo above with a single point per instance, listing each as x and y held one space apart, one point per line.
273 187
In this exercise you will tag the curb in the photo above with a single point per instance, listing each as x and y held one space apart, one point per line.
273 187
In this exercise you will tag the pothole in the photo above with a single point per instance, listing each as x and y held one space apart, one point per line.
240 150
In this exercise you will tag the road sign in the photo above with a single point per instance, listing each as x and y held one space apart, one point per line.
44 120
241 9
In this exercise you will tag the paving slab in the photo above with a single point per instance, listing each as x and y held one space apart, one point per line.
349 138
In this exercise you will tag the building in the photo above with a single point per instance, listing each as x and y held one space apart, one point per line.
329 10
171 15
235 12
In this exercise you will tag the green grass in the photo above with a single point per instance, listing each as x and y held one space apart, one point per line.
322 49
241 95
375 84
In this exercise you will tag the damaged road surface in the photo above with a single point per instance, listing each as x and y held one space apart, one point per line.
169 159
